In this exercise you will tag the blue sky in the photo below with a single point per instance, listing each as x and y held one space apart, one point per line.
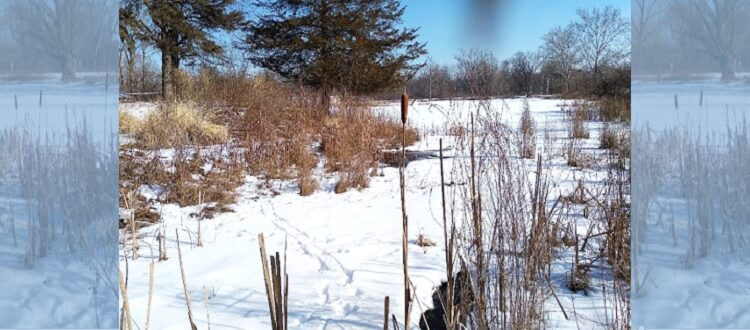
504 26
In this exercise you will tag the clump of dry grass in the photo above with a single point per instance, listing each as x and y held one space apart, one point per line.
573 154
352 140
175 124
307 184
305 161
129 124
577 117
608 139
614 109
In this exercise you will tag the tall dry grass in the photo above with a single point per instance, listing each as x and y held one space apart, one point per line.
237 124
527 133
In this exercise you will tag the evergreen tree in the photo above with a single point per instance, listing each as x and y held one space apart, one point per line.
355 46
180 29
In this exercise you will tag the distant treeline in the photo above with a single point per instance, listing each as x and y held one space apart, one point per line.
504 79
365 52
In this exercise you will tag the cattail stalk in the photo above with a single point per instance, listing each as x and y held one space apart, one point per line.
405 221
184 284
267 281
277 287
386 304
205 302
150 292
448 247
125 304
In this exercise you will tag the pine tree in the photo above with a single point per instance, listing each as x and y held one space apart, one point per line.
180 29
352 46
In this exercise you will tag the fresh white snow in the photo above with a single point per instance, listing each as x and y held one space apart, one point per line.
343 251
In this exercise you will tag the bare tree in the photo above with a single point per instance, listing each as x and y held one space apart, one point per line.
433 80
714 26
522 69
71 33
561 51
644 12
478 72
603 37
51 27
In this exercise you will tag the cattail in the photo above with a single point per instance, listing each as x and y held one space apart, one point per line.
404 107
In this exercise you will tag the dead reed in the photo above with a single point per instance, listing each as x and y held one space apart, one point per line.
277 287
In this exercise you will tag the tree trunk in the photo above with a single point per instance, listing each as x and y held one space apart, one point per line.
727 69
170 63
68 73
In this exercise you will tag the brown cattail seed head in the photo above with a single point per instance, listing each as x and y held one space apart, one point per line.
404 107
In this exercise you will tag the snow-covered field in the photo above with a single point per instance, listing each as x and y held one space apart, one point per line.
654 104
344 250
58 170
679 286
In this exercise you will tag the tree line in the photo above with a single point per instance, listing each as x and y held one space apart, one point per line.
360 47
588 56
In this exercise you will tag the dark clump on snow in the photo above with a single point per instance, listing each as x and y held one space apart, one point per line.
434 319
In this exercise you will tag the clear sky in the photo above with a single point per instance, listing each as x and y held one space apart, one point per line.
501 26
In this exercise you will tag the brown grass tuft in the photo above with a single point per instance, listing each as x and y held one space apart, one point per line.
176 124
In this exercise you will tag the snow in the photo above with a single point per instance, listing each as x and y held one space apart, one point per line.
343 251
653 102
93 100
139 110
714 291
74 286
